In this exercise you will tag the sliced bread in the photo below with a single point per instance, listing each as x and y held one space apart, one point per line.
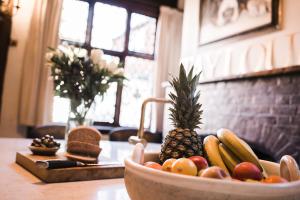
85 134
83 148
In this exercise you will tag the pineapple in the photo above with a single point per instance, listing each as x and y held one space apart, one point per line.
185 114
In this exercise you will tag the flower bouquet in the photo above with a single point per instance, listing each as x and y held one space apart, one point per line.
80 77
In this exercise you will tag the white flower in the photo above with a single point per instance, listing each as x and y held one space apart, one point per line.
119 71
102 64
96 56
79 52
112 67
68 50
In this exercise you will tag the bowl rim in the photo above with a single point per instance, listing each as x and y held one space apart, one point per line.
209 184
43 148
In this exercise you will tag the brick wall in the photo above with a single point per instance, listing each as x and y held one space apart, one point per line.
264 110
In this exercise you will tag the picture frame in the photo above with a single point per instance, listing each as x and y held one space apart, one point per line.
224 19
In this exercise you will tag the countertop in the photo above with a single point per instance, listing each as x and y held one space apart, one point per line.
18 183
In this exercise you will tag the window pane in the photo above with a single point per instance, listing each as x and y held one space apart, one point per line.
73 21
142 33
109 27
139 87
60 109
104 110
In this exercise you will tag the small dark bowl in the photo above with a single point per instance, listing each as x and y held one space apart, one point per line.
43 151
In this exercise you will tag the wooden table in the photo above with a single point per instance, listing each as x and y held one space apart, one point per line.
17 183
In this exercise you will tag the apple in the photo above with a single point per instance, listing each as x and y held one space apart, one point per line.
215 172
184 166
200 162
167 165
247 170
153 165
274 179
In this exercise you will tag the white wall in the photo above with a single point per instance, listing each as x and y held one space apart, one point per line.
10 99
248 53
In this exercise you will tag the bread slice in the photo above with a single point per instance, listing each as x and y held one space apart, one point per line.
83 142
85 134
83 148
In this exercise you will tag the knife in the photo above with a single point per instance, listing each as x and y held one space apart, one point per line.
57 164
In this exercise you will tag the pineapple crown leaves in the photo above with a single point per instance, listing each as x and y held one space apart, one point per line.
185 111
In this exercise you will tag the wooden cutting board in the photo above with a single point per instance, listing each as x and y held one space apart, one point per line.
27 160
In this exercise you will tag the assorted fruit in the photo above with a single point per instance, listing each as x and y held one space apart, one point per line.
47 141
228 158
225 156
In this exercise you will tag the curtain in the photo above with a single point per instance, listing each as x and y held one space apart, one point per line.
36 89
168 44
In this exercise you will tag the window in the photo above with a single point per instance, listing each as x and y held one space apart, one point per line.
126 34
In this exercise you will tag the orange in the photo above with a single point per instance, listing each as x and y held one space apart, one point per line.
153 165
274 179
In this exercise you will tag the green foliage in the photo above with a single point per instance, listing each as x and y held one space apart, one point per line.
185 111
80 80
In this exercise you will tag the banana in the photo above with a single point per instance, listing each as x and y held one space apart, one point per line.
239 147
211 148
228 157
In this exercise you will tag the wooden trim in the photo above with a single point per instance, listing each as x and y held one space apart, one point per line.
260 74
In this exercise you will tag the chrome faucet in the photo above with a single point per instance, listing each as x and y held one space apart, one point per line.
140 134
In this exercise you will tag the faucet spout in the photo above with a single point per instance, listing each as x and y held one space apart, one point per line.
140 134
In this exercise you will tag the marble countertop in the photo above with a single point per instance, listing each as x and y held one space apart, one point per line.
17 183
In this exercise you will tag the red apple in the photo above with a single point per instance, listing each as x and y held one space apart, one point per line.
247 170
200 162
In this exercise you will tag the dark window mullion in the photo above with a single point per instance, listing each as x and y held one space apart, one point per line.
119 98
122 60
88 36
127 33
140 55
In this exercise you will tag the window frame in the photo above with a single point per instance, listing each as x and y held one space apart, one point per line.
148 9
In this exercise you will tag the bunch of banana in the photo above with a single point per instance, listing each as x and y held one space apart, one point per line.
228 150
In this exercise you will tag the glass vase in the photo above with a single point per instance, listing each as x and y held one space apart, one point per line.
73 123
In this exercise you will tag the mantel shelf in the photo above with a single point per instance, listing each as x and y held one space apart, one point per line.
261 74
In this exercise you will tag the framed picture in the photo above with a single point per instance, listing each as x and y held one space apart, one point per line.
222 19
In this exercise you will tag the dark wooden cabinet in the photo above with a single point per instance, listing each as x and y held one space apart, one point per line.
5 30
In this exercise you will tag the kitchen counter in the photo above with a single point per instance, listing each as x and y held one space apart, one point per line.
18 183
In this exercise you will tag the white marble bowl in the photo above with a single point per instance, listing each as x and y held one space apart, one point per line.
143 183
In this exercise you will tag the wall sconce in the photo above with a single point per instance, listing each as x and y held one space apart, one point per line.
9 7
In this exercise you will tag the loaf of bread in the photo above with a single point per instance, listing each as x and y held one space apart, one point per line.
84 142
85 134
83 148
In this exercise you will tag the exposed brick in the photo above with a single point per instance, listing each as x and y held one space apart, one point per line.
265 110
284 89
266 119
264 134
284 110
262 109
283 120
264 99
295 99
284 80
282 99
295 119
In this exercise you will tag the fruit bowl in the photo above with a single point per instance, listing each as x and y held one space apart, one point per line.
143 183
